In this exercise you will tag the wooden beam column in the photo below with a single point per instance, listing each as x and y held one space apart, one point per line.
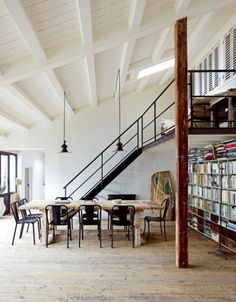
181 135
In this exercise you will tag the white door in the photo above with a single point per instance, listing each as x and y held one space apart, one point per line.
28 183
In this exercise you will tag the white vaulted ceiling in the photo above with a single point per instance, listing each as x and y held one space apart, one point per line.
77 46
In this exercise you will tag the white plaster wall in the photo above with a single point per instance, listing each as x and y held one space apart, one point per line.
35 160
136 179
88 132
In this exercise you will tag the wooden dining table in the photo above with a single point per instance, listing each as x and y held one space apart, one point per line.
106 205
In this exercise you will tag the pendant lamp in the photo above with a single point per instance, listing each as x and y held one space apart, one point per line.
64 145
119 145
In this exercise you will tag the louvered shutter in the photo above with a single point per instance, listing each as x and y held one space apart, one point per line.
216 66
210 74
200 80
227 55
234 49
205 76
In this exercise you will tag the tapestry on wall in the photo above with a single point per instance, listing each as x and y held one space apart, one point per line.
161 188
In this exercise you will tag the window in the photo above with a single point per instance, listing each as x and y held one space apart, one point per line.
8 174
206 82
209 80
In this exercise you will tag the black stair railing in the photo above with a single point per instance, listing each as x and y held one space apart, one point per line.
149 129
146 129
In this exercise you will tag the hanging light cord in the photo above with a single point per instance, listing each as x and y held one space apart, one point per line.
118 82
64 118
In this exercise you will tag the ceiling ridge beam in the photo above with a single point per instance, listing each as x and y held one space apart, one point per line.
85 21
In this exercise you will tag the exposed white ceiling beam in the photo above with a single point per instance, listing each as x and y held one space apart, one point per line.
13 120
156 56
197 29
135 17
126 56
24 98
120 37
160 46
90 68
181 5
18 13
136 13
85 21
142 84
166 77
57 87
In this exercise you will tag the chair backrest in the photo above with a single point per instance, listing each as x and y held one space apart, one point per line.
56 214
123 213
63 198
14 209
86 213
165 203
20 203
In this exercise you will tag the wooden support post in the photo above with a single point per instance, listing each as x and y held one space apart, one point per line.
181 135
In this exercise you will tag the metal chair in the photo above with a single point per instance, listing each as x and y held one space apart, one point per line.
122 215
22 221
29 214
90 215
57 215
71 212
162 218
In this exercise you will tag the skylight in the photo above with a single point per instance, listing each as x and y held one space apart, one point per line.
156 68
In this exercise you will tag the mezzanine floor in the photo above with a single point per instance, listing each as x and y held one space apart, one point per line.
148 273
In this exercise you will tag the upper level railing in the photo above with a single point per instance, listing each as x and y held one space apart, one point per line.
152 125
216 108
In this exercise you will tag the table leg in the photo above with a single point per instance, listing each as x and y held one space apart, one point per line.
43 234
137 229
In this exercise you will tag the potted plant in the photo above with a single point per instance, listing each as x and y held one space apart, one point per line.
2 204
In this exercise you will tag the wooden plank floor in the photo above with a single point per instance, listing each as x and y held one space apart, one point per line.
148 273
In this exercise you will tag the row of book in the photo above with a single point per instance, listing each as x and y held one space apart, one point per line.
226 149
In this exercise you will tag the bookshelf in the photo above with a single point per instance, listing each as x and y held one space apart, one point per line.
212 196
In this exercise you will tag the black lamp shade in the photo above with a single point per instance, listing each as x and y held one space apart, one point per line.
64 147
119 146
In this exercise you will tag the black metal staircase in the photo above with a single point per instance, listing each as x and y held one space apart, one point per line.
143 133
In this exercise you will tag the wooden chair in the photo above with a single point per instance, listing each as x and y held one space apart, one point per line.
122 215
161 219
